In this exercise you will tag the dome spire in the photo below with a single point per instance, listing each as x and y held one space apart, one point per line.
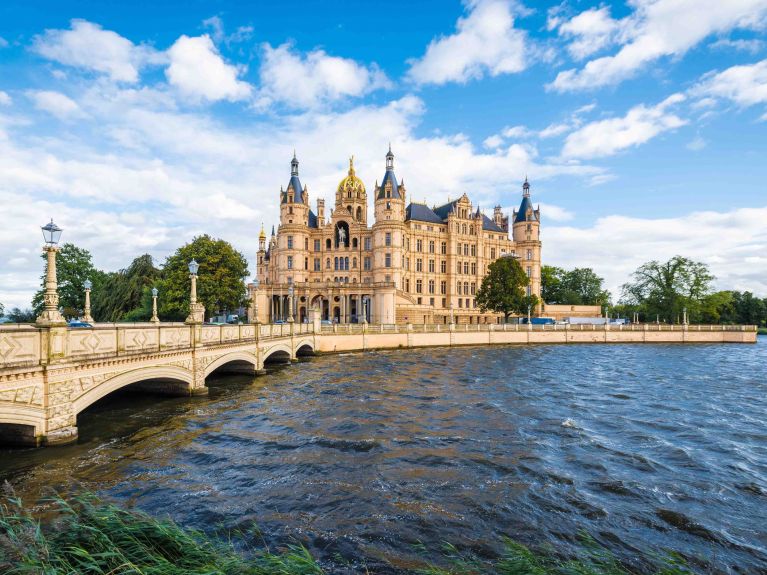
389 159
262 235
351 165
526 188
294 165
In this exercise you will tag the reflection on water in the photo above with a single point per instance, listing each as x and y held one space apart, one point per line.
362 457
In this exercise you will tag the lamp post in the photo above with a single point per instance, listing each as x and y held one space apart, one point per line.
528 314
154 319
255 301
290 304
364 309
51 316
196 310
87 284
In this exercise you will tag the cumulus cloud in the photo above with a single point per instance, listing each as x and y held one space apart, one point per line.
485 43
588 32
88 46
310 80
199 72
744 85
615 245
653 31
55 103
5 99
753 46
607 137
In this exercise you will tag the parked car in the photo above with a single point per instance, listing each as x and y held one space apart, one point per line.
279 322
326 322
78 324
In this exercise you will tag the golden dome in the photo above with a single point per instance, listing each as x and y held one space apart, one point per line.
351 183
262 235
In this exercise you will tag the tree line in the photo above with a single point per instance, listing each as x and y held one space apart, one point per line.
126 295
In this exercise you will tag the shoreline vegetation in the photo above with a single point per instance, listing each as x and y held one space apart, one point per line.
85 535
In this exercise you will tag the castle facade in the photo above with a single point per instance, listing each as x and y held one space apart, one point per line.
414 264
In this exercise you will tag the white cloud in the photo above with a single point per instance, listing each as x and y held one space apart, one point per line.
745 85
55 103
659 28
615 246
5 99
753 46
697 144
306 82
589 32
87 45
199 72
556 213
607 137
485 42
493 141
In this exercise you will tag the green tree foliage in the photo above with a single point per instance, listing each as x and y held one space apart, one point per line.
503 289
664 289
73 266
220 282
18 315
734 307
143 312
579 286
122 293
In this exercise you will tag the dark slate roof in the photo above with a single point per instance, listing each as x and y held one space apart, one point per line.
297 191
389 176
312 219
444 210
421 213
490 225
523 207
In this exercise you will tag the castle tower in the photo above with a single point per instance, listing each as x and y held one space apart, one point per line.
351 197
526 235
294 228
390 196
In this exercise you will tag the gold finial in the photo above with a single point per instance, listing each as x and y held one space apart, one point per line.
351 165
262 235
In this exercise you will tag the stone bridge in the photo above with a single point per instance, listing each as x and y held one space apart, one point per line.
48 375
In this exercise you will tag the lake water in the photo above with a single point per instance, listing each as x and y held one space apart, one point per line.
376 459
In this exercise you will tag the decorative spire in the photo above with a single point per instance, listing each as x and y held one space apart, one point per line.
351 165
272 230
389 159
526 188
294 165
262 235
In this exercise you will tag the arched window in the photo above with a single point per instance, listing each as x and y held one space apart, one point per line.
354 242
335 264
463 228
471 230
359 214
346 263
327 244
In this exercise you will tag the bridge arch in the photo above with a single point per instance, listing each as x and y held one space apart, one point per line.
21 425
279 352
178 377
304 348
240 360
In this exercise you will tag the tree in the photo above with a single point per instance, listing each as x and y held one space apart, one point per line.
579 286
73 266
22 315
503 289
221 278
664 289
2 309
122 292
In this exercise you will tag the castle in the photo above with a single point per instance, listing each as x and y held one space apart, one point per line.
414 264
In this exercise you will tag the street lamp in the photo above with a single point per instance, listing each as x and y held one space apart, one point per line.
290 303
51 316
364 309
154 319
196 310
528 314
87 284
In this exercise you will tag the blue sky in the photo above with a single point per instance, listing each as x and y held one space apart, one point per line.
641 125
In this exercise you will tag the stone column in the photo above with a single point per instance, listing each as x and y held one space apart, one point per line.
51 316
87 311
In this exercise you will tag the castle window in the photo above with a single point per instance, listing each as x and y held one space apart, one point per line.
387 260
431 288
460 302
444 304
327 244
290 242
407 285
431 247
529 271
471 230
431 301
458 267
443 266
466 249
419 301
306 263
327 264
492 253
458 288
346 264
529 254
290 209
418 286
317 266
388 239
466 268
366 263
354 243
290 262
463 229
444 247
317 245
419 245
473 288
473 268
465 288
359 213
431 266
367 244
418 265
388 205
473 250
443 290
529 227
354 263
335 264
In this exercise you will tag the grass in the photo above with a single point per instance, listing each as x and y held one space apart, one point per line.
762 331
86 536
